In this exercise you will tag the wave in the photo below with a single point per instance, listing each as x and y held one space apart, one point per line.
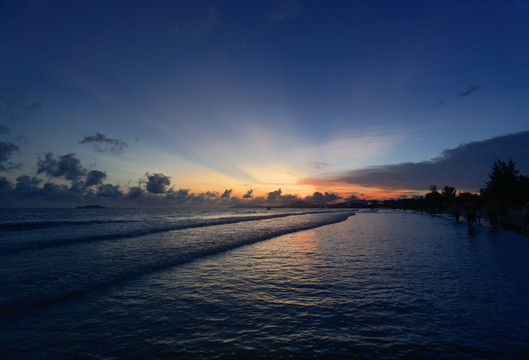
70 283
49 224
19 246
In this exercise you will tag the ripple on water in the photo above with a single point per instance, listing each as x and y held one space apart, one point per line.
382 285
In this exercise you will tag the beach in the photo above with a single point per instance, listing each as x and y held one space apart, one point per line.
385 284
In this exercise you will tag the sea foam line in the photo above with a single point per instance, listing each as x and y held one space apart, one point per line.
35 225
16 247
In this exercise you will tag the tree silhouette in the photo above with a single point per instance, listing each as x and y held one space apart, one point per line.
434 200
504 189
503 182
449 195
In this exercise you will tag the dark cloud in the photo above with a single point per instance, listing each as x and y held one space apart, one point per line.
102 143
470 90
7 149
95 177
211 194
464 167
274 195
157 183
248 194
352 198
226 193
180 196
78 187
135 193
67 165
5 185
109 191
25 183
319 198
277 196
29 191
4 129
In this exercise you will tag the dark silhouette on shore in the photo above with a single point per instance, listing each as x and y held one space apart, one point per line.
525 217
505 192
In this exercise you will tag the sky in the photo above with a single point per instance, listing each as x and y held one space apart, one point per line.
222 102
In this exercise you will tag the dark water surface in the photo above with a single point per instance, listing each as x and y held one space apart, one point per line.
377 285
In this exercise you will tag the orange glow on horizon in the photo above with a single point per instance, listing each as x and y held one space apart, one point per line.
363 192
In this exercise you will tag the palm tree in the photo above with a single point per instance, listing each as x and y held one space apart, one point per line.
449 194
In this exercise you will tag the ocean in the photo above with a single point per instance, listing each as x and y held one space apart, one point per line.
257 283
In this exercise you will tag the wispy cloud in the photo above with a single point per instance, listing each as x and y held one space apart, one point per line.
36 106
470 90
4 130
102 143
319 165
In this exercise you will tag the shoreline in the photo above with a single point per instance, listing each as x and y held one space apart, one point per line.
513 222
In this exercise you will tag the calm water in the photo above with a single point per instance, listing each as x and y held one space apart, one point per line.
249 284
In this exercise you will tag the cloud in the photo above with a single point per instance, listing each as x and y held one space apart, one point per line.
211 194
25 183
102 143
319 165
470 90
465 167
157 183
352 198
226 193
319 198
274 195
180 196
135 193
248 194
5 185
109 191
67 165
95 177
36 106
14 107
7 150
277 196
4 129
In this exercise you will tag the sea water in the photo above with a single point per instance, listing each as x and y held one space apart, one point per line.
280 283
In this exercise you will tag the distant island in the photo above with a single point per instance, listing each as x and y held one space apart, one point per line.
91 207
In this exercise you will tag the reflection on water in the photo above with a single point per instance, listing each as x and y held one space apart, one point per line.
377 285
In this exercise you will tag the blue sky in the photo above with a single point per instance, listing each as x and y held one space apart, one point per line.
261 95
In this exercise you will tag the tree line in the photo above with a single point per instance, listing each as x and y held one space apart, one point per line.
505 190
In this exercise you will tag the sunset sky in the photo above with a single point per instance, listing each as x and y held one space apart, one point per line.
174 99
